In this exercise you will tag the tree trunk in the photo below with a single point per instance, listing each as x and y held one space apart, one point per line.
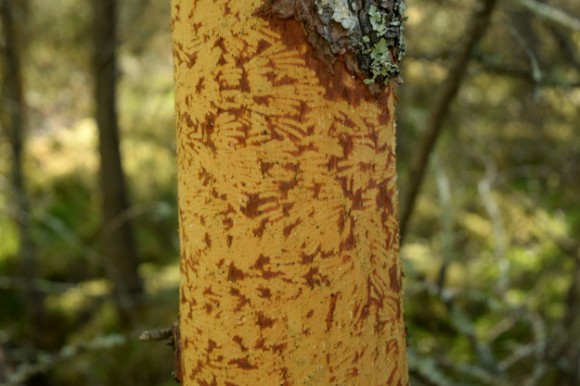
12 14
287 197
117 242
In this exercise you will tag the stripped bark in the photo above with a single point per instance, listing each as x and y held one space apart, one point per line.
287 207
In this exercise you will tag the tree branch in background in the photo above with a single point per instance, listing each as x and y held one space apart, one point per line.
568 48
565 349
513 72
46 361
446 94
38 285
551 13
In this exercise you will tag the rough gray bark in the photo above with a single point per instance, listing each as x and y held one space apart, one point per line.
367 33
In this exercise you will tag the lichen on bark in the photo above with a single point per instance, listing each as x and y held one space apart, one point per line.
367 33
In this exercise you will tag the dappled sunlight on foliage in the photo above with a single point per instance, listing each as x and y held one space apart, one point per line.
498 253
64 152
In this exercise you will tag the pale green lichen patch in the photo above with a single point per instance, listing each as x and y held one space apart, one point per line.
381 65
384 46
378 20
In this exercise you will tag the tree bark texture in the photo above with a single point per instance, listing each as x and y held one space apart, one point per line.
13 115
117 241
287 207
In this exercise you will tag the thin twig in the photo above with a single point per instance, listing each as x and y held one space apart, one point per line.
551 13
47 361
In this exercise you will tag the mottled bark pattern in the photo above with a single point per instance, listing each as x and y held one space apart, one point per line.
287 197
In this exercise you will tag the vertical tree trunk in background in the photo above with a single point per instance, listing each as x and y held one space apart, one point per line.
14 121
287 205
117 242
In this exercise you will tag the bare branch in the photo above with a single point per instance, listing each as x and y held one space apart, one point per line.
47 361
551 13
546 81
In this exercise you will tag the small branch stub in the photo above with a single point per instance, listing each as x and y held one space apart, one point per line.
368 33
172 336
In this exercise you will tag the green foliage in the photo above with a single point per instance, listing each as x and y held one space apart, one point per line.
61 170
505 239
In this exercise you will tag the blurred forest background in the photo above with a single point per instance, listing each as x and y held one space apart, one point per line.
489 166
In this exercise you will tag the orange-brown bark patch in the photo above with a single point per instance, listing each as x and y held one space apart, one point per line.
331 310
235 274
243 363
264 321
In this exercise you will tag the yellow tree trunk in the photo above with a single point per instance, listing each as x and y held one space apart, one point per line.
287 206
